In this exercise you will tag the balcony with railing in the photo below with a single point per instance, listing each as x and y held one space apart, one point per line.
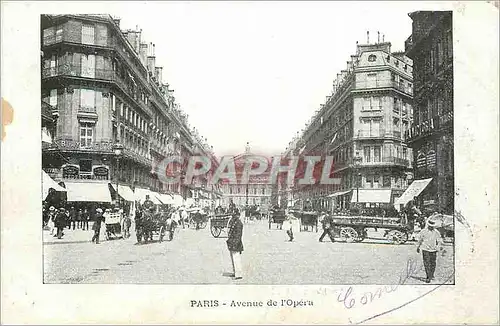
72 70
373 134
386 83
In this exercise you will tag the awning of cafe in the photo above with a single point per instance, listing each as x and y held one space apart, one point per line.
141 193
125 192
371 196
412 191
178 200
88 192
155 198
166 199
340 193
47 183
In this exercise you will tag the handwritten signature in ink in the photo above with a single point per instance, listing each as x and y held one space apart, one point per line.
350 299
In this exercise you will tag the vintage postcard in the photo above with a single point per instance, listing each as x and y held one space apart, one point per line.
249 162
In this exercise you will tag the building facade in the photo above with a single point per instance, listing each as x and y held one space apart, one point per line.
431 134
362 125
256 192
103 88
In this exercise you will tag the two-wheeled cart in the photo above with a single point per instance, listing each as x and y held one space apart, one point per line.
113 225
219 223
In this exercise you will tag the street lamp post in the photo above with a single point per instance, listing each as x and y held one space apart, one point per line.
118 148
357 162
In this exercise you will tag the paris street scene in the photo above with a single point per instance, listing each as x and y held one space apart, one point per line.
247 152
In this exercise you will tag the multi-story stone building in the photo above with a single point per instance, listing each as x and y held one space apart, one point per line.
362 125
431 134
104 88
257 191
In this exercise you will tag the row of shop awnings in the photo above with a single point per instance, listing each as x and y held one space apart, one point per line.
384 195
100 192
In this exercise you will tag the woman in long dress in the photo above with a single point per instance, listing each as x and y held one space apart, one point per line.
104 229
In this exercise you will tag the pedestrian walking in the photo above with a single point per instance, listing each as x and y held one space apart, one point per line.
430 242
184 216
288 225
127 222
50 222
235 244
85 220
72 217
104 227
79 219
60 222
327 223
170 227
97 226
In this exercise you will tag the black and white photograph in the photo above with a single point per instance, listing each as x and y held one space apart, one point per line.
111 116
324 145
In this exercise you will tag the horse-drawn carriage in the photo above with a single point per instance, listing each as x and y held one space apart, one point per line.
149 224
277 216
197 218
308 220
219 223
353 228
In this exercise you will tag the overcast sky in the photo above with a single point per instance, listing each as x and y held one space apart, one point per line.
257 71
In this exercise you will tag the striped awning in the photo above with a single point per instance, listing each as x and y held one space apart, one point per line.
125 192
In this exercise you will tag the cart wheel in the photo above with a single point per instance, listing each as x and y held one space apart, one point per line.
215 231
203 224
348 234
397 236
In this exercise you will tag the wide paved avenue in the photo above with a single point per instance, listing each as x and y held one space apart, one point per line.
196 257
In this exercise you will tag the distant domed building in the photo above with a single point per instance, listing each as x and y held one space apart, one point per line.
256 192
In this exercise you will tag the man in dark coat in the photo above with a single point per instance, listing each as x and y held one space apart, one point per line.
60 222
97 225
235 245
327 227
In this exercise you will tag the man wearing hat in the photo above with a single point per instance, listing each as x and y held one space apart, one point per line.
430 241
97 225
234 244
60 222
52 215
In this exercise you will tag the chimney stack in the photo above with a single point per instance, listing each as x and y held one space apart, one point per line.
367 37
378 37
151 60
143 53
158 74
383 37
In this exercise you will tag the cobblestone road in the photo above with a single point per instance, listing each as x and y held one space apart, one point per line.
196 257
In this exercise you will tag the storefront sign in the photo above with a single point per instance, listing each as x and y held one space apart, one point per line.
75 145
70 170
101 171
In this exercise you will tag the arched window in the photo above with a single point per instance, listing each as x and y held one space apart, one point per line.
372 57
